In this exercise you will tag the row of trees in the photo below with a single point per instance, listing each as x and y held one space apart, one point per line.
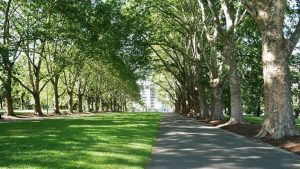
77 50
215 56
228 56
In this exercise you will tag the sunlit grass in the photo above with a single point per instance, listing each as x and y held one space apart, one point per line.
108 141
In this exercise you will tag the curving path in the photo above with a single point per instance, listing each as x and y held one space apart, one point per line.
185 143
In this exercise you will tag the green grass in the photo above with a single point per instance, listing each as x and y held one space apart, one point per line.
258 120
114 140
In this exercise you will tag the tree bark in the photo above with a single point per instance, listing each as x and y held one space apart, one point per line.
80 102
234 80
9 108
215 85
203 102
1 103
70 101
37 104
22 102
54 82
279 120
97 104
7 65
217 105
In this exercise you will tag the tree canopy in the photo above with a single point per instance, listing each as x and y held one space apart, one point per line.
211 57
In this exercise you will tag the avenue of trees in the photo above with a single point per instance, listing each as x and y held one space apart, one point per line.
211 57
75 54
232 56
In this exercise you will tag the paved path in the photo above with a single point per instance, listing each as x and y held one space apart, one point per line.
184 143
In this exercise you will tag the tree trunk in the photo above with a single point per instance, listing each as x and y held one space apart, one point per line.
299 93
9 108
9 104
114 105
201 91
258 110
56 94
6 63
37 104
22 102
1 103
97 100
279 121
203 102
70 101
215 85
217 105
103 105
234 80
80 102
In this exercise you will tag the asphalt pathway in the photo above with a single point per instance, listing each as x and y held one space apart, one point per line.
185 143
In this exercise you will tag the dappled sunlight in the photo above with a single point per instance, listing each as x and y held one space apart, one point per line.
255 148
196 147
104 141
188 133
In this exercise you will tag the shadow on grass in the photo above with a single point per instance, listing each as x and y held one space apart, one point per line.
101 141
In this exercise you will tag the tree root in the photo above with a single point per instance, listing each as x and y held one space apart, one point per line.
232 122
262 134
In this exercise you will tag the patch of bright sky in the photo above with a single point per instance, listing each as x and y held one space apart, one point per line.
291 21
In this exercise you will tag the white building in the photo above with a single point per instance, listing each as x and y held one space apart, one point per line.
150 101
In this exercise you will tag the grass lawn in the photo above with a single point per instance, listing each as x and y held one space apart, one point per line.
114 140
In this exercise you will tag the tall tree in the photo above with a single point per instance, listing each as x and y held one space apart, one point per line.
269 15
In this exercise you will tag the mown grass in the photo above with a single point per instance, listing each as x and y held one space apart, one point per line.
114 140
258 120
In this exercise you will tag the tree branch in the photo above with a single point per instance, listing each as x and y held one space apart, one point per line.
23 85
294 39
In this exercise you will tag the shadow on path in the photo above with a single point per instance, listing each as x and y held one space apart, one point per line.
186 143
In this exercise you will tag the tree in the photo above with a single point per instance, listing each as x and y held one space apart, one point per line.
276 50
11 27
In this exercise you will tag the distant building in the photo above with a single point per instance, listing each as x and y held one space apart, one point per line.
150 101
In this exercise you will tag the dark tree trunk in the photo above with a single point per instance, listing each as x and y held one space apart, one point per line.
177 106
183 106
203 102
125 106
22 102
1 103
9 108
115 105
111 105
56 102
258 110
217 105
54 83
102 105
88 100
6 63
37 104
80 102
70 101
97 105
